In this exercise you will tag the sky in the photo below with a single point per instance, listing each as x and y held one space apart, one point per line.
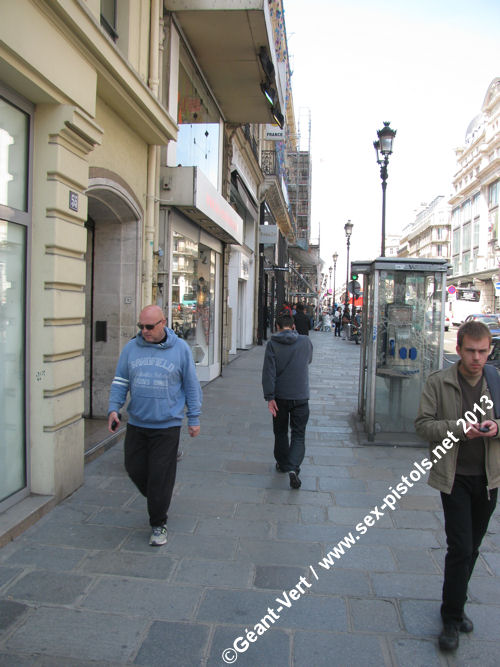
424 66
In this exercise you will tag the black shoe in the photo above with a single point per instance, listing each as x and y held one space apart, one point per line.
448 639
279 468
466 624
295 482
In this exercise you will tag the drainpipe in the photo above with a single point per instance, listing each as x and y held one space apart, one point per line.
150 232
149 229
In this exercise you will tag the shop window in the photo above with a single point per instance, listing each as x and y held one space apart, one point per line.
193 296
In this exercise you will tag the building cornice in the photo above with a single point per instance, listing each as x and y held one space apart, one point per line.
118 82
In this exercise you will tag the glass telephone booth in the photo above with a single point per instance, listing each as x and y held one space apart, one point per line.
403 337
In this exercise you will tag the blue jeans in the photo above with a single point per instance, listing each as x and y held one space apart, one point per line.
467 511
290 454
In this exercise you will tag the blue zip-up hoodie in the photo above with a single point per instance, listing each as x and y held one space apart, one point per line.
161 378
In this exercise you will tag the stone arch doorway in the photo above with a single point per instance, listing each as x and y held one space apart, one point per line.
113 262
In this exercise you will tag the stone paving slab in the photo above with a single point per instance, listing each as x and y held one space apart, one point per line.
83 587
59 588
72 633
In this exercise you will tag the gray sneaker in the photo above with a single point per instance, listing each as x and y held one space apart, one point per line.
158 536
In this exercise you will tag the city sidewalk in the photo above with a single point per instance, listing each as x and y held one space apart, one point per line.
83 587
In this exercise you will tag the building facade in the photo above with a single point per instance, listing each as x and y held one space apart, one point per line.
392 244
429 235
475 249
127 177
79 99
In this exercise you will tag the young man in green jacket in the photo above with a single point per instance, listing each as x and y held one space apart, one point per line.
457 415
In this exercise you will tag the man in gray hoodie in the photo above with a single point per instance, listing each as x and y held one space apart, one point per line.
285 381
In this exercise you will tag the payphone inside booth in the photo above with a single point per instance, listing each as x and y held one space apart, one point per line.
403 316
400 351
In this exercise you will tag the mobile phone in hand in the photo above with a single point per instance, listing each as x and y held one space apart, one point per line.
483 429
114 423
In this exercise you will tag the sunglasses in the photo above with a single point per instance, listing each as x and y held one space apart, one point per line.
149 327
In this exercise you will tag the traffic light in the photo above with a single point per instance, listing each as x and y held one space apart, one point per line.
354 275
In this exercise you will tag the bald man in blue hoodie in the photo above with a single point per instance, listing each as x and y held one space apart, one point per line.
285 381
157 369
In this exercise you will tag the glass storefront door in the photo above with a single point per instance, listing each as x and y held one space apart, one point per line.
12 356
14 221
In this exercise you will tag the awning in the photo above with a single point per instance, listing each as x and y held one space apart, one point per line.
226 37
189 190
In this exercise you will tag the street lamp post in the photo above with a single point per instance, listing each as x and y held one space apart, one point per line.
348 231
383 148
330 269
335 257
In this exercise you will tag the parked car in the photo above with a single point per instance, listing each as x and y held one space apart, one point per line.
491 321
494 356
447 322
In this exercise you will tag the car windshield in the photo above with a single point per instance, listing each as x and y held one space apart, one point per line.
488 320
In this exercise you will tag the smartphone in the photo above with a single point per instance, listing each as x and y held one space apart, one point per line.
114 423
483 429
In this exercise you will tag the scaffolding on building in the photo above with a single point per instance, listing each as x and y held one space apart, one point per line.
303 255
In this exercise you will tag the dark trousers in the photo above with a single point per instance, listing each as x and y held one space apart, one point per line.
289 455
151 462
467 511
337 328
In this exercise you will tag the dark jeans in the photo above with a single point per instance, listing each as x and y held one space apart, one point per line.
289 456
467 511
337 328
151 462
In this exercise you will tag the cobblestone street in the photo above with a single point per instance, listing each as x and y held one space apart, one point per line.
82 586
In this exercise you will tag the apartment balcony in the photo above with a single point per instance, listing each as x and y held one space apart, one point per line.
277 193
226 37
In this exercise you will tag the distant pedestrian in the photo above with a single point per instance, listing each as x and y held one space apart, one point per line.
285 309
302 321
467 469
157 368
285 381
337 320
346 320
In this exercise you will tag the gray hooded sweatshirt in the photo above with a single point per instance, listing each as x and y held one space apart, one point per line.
285 373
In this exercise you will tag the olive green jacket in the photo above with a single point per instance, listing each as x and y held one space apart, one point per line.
440 408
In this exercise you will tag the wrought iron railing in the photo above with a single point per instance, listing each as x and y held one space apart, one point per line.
269 164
